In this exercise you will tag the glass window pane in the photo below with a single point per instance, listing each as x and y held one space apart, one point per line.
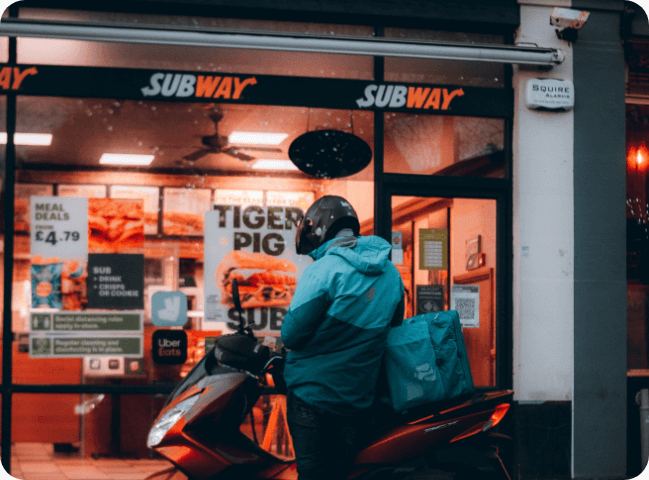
637 213
195 22
59 436
448 262
444 145
445 72
157 213
261 62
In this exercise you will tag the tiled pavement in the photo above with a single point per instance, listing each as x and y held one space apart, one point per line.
37 461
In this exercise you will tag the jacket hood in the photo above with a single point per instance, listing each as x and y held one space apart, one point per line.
368 255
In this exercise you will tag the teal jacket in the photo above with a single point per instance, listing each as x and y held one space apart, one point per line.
337 325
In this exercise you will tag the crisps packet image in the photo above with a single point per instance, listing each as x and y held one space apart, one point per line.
46 282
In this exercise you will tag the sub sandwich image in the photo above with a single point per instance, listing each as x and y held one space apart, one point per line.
115 223
263 280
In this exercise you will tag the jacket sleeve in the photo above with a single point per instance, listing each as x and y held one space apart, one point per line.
397 318
308 309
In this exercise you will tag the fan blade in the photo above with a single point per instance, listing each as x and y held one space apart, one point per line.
197 155
259 149
233 152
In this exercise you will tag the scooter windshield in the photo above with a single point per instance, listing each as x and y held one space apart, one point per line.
207 366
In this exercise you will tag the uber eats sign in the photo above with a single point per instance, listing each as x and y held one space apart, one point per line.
256 245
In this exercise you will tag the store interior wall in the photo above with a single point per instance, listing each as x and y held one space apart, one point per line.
470 218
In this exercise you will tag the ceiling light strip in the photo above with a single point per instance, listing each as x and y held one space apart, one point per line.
31 139
373 47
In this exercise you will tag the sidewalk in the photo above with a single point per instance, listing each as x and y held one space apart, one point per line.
37 461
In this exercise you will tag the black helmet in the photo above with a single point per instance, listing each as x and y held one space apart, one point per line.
326 217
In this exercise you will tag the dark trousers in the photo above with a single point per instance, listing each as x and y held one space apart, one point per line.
325 444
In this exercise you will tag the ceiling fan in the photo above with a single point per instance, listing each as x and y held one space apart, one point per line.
219 144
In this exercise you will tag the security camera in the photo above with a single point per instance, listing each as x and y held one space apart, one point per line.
568 21
568 18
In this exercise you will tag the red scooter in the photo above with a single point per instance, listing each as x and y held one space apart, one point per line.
223 422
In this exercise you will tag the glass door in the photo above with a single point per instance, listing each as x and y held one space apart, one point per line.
446 252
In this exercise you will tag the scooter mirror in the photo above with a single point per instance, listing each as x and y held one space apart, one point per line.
237 303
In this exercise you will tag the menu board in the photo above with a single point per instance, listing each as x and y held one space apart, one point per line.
24 191
256 246
149 197
59 252
86 191
243 198
183 210
301 200
116 281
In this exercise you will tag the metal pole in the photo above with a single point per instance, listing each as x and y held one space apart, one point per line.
7 330
285 42
642 399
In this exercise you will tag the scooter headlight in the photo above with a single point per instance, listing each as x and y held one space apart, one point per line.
169 419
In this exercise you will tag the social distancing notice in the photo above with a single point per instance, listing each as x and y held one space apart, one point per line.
79 334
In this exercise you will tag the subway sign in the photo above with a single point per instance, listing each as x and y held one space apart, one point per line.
137 84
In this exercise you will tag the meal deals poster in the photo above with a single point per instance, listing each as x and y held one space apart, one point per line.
59 240
59 251
255 245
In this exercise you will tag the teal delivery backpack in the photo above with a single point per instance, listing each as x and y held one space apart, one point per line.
426 361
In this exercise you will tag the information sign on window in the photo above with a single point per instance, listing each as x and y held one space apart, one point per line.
59 252
466 300
433 249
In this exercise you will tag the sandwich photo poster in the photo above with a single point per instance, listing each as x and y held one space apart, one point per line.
256 245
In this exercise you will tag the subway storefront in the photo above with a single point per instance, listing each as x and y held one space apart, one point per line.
141 179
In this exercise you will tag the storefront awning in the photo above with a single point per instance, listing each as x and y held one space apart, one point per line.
526 55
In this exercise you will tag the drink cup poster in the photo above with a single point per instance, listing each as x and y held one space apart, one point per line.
59 252
255 245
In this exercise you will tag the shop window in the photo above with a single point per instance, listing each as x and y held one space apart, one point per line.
445 72
219 179
4 42
636 51
73 436
637 214
444 145
260 62
445 251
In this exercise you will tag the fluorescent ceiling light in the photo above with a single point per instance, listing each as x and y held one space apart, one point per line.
125 159
40 139
265 164
257 138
